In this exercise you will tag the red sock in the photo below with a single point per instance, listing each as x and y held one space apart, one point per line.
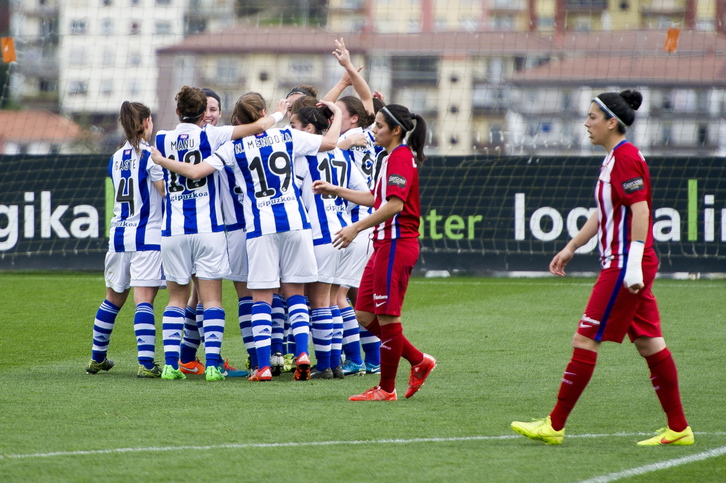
374 328
391 347
410 353
574 381
664 376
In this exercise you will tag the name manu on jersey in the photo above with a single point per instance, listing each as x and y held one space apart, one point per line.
183 143
83 225
667 222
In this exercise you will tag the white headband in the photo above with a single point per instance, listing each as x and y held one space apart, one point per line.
606 109
388 113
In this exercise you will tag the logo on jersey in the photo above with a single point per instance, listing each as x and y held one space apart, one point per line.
397 180
633 185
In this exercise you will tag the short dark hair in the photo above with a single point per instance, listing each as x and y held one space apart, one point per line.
211 93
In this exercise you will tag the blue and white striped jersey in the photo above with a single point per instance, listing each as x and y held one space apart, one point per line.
366 160
327 214
231 196
263 166
192 206
136 222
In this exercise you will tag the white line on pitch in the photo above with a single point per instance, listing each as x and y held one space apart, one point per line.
641 470
307 443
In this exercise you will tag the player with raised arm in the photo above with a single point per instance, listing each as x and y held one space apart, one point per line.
279 238
357 140
622 301
133 258
327 214
193 238
395 223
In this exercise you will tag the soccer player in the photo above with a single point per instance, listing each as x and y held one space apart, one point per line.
234 227
279 239
357 140
193 239
395 223
327 214
133 258
621 301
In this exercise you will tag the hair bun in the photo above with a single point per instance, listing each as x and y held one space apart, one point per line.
633 98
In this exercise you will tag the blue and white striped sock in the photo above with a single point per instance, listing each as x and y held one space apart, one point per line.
278 323
262 332
172 328
213 335
145 331
190 342
351 335
336 343
244 310
322 329
102 328
371 347
299 316
200 321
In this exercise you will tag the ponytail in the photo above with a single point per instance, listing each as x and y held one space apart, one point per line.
411 124
132 117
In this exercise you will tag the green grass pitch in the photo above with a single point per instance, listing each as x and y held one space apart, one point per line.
502 345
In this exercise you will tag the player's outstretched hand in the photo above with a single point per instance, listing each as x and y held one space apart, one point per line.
156 156
345 237
282 106
321 187
379 95
330 105
557 265
341 53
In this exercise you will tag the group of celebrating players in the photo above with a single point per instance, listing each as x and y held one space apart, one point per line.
301 218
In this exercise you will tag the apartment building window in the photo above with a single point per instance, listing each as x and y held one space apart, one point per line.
47 85
107 26
469 24
79 26
702 135
109 57
106 3
502 22
135 28
415 70
134 59
163 3
106 87
413 25
227 71
162 27
496 135
77 88
301 68
665 133
77 57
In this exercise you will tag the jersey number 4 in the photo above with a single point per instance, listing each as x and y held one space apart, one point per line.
125 193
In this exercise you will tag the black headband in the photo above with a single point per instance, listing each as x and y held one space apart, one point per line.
299 90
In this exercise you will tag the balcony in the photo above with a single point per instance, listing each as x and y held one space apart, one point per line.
586 5
663 7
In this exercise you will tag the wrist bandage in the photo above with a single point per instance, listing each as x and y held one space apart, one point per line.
634 269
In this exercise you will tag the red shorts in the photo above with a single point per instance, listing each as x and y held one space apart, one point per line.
613 311
386 276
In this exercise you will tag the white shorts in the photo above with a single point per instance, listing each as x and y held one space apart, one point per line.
328 259
345 266
203 254
133 269
358 259
237 251
286 257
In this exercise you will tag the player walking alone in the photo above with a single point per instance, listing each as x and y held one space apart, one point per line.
395 198
621 301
